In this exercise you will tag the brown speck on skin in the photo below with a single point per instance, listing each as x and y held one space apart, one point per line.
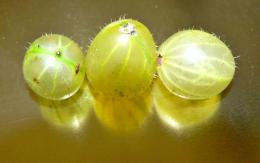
77 68
36 81
38 46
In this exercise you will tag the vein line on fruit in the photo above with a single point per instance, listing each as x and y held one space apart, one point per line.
62 59
208 58
109 56
195 44
146 56
187 79
201 76
141 44
193 72
54 80
127 58
173 83
67 45
39 50
68 62
43 71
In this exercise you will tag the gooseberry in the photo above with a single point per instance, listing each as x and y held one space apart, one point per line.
53 67
121 60
195 64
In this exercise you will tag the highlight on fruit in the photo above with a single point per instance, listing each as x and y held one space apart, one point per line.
195 64
53 67
121 60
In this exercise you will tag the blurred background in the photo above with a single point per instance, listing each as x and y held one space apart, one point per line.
156 128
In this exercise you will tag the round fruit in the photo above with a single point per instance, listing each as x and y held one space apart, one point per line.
180 113
69 113
53 67
121 60
195 64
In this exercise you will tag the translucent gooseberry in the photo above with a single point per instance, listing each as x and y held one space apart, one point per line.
121 60
53 67
195 64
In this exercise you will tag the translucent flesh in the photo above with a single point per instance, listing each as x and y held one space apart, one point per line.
195 64
50 75
121 64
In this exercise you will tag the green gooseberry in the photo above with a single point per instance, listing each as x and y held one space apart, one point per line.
121 60
53 67
195 64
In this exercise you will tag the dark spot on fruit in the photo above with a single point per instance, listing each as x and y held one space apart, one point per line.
128 29
77 68
36 81
58 53
133 32
38 46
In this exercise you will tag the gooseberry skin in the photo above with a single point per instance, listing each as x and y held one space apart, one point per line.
195 64
121 60
53 67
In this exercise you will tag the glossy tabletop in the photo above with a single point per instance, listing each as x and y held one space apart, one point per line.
156 128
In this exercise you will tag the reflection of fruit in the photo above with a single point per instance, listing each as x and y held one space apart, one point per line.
121 60
195 64
53 67
180 113
69 113
122 114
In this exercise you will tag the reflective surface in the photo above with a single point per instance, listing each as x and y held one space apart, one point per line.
230 134
70 113
179 113
123 115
